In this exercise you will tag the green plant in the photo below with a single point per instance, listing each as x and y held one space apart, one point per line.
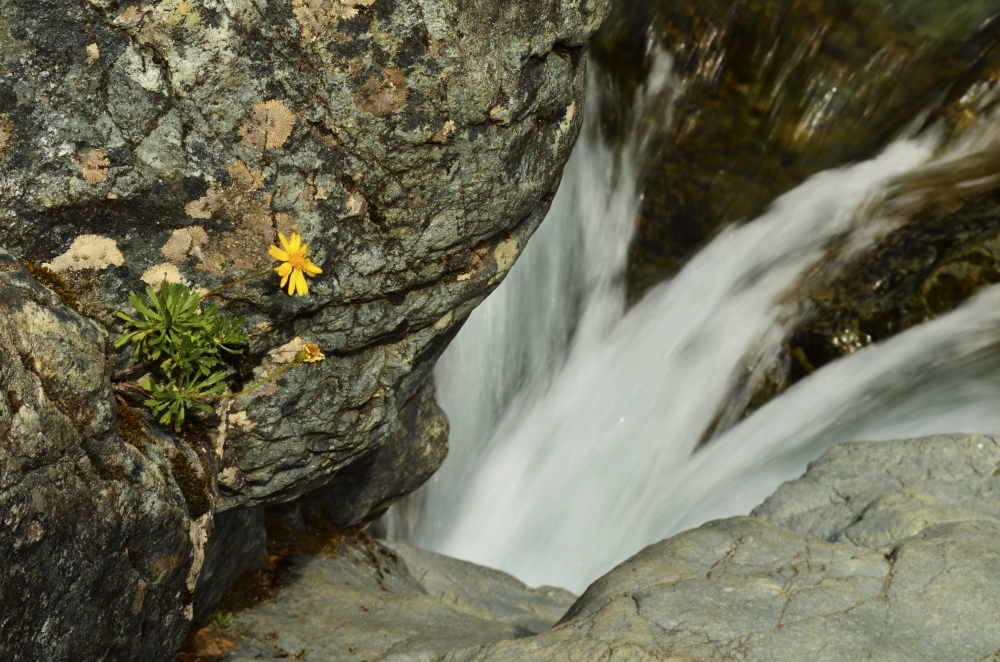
225 621
187 342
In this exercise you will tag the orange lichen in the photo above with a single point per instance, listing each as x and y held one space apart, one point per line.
6 133
94 166
269 126
381 97
131 15
313 16
284 224
444 133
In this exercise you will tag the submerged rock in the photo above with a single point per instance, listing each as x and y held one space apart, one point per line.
764 94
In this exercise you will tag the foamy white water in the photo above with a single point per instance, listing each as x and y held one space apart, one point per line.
583 457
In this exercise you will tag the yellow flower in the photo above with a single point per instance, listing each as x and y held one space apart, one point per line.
294 264
311 353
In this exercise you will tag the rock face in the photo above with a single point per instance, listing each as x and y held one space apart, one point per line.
238 545
414 145
369 601
884 551
365 489
98 540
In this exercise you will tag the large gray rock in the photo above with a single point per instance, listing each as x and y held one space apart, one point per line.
100 538
891 553
373 602
415 144
912 578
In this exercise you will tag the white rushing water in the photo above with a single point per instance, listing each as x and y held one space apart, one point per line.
573 427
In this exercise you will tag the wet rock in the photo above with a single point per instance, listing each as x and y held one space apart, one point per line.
371 601
944 247
889 552
767 93
237 546
100 538
415 148
365 489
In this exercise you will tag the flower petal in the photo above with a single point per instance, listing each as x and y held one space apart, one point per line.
283 269
293 246
277 253
284 279
300 282
284 242
291 282
310 268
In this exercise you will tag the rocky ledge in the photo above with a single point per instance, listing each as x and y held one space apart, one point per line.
881 551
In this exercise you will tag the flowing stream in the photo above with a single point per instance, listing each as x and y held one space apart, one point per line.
575 424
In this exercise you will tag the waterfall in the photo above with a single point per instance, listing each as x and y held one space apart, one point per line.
575 426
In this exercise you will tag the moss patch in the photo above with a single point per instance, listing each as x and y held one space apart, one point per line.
192 485
130 426
54 282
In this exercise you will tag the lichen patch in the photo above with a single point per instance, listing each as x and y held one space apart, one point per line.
270 125
93 166
6 133
381 97
168 272
88 251
184 242
317 17
130 16
444 133
355 204
240 420
93 53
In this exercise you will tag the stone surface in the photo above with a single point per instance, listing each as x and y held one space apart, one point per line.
365 489
97 538
373 602
415 145
238 545
883 551
890 552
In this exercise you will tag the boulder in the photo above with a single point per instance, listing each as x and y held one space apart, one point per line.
372 601
414 147
885 551
237 546
364 490
890 553
103 520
